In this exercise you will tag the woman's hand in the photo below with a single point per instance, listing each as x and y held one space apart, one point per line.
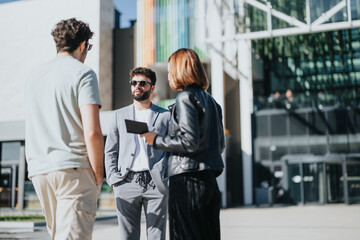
150 137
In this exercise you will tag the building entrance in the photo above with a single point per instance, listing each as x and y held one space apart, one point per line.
310 179
12 174
8 186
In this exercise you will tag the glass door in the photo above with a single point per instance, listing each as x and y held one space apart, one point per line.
9 165
334 183
313 179
353 179
8 186
294 183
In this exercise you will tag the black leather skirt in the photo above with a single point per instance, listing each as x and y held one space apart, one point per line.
194 206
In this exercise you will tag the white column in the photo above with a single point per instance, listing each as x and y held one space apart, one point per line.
217 76
21 179
246 109
217 91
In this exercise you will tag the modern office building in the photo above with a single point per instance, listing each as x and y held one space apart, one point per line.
287 76
306 109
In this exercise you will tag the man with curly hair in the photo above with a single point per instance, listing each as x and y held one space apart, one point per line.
64 142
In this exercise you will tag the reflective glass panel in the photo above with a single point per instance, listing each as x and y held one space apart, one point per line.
353 172
10 151
294 183
313 183
334 183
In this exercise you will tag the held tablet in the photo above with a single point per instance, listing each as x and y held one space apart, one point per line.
136 127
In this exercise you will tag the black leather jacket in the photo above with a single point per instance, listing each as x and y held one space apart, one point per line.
195 137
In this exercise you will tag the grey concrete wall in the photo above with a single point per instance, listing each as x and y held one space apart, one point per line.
124 52
106 53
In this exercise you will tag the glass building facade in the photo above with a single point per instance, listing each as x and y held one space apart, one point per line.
307 107
163 26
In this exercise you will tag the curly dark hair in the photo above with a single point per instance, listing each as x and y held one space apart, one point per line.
69 33
147 72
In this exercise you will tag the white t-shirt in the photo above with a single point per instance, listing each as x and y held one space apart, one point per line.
54 135
141 159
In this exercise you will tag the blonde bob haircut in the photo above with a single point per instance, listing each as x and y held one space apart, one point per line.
186 69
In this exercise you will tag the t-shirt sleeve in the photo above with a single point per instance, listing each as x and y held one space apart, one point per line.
89 89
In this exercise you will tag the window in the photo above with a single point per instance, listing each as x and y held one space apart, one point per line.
10 151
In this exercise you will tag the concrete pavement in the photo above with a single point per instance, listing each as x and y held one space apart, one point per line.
319 222
316 222
309 222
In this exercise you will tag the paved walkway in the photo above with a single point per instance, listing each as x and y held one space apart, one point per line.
328 222
316 222
320 222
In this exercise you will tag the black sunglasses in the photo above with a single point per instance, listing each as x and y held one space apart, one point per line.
142 83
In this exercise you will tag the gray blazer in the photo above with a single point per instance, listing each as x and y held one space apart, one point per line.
120 146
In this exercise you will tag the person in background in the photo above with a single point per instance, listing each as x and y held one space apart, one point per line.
64 142
195 142
133 168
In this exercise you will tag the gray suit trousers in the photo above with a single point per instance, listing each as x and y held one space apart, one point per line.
130 195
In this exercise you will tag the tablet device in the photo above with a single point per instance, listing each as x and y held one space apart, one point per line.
136 127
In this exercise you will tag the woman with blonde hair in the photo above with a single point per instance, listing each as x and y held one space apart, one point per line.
194 144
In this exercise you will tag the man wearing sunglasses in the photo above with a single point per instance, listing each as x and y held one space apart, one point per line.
135 169
64 142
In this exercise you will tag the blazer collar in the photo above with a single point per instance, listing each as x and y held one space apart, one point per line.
154 114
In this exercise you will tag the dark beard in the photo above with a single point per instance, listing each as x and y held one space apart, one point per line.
142 97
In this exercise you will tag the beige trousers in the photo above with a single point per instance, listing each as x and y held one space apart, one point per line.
68 199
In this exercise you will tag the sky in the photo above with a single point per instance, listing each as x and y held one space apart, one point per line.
6 1
128 11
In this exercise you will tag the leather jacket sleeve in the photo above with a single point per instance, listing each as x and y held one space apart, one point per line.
187 139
